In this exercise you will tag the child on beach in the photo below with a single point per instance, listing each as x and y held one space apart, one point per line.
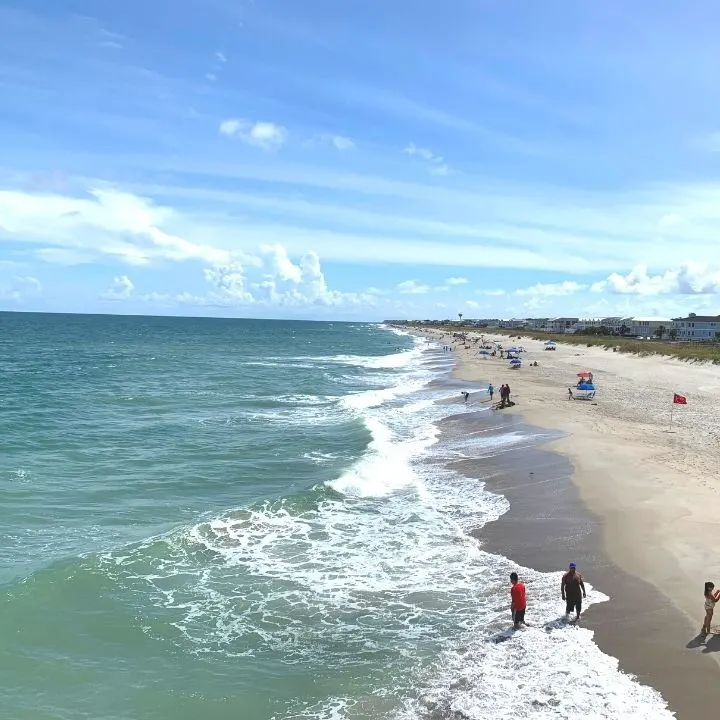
517 601
711 597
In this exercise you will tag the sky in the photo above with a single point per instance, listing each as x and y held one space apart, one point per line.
337 159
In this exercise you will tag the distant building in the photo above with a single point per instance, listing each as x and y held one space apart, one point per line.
698 328
647 327
562 324
514 324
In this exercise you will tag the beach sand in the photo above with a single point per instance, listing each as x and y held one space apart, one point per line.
636 505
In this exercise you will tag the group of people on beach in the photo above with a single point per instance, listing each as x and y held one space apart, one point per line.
572 591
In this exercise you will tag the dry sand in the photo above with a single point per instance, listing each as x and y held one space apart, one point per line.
655 487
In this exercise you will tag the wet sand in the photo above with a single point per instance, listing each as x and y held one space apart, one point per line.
548 525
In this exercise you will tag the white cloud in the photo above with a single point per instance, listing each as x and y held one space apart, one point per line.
412 287
220 57
265 135
20 288
437 161
472 304
111 223
212 77
230 280
690 278
64 256
281 282
567 287
342 143
456 281
121 288
499 292
281 265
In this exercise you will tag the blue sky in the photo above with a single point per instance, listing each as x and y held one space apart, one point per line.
342 159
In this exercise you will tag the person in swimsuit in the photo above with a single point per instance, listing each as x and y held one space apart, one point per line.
491 392
711 597
517 601
572 590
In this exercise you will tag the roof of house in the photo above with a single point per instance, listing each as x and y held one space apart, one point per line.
700 318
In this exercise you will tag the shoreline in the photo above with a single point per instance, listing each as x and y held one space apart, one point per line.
651 633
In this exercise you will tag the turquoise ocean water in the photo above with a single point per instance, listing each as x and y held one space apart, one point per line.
249 519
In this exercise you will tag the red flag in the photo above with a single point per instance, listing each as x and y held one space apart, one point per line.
679 399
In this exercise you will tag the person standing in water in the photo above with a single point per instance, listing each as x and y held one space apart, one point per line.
572 590
491 392
518 602
711 597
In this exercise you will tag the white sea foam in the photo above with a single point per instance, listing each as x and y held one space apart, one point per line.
379 579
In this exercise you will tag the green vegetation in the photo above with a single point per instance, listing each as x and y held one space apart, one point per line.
691 352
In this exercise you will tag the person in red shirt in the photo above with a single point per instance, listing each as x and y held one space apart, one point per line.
517 601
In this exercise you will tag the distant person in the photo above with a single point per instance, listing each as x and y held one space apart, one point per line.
570 395
711 597
507 393
465 395
491 392
572 590
518 602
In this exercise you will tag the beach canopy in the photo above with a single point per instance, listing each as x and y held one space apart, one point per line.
550 342
484 352
516 361
585 386
584 373
514 350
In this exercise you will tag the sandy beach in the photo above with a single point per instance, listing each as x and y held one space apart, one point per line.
652 486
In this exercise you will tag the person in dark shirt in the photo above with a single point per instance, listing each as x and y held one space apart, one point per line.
572 589
517 601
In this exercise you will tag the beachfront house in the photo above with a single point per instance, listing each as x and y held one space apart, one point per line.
562 324
538 323
514 324
697 328
647 327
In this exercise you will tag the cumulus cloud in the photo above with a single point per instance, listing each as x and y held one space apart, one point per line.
272 278
121 288
689 279
437 162
456 281
412 287
498 292
230 280
265 135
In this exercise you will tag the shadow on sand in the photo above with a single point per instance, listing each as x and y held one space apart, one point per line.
709 643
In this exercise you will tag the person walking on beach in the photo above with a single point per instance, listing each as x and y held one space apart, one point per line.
507 394
518 602
572 590
491 392
711 597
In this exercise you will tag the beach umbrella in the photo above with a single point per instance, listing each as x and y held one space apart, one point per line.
516 361
484 352
584 373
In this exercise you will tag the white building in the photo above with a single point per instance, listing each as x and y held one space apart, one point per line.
514 324
698 328
562 324
646 327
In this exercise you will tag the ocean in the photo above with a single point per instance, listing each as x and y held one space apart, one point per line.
257 519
